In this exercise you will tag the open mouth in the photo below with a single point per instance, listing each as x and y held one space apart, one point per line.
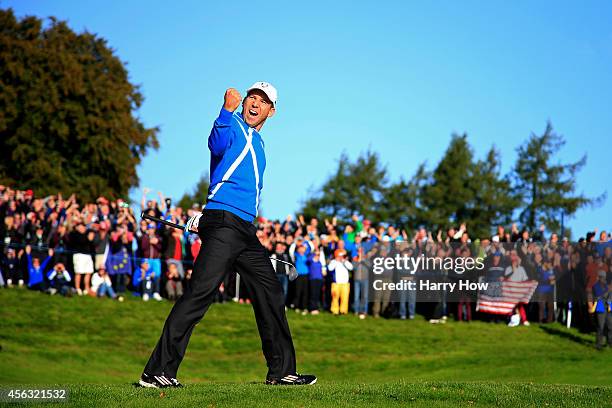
253 113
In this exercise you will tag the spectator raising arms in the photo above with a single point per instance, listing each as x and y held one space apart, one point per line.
36 270
80 241
340 267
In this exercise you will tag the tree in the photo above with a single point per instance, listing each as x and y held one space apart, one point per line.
494 201
68 113
198 194
402 200
546 189
354 187
449 197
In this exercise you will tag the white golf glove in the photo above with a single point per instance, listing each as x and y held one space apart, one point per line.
193 223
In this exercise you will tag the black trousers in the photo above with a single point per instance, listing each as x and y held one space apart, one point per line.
301 292
228 243
315 293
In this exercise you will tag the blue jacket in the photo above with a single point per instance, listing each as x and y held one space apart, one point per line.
544 285
237 166
600 289
315 268
36 274
301 261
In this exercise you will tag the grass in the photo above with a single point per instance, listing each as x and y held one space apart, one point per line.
98 348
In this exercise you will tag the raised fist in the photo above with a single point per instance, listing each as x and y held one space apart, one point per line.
232 100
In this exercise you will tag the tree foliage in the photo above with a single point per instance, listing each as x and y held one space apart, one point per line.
460 189
354 187
546 189
68 118
449 195
198 195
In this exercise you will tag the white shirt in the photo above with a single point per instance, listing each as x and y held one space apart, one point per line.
516 275
97 280
342 270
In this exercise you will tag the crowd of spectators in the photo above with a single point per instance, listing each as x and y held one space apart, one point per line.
57 245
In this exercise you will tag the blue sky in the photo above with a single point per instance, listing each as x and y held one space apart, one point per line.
397 77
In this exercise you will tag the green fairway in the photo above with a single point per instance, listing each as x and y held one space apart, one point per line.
54 340
430 394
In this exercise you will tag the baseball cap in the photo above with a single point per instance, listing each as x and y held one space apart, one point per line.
266 88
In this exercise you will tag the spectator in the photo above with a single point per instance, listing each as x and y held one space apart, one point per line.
149 282
174 249
516 273
118 259
340 289
361 275
36 269
545 291
301 283
100 243
174 285
465 300
151 250
101 285
382 297
315 280
282 270
59 280
80 242
12 269
407 296
602 309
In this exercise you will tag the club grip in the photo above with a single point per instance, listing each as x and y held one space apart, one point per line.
155 219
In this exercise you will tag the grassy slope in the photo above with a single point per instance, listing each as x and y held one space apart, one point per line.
83 340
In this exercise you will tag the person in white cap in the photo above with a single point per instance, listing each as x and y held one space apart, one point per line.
230 243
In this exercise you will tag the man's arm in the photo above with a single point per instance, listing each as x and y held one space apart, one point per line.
221 132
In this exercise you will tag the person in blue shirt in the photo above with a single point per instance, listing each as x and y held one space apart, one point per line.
36 269
230 243
316 272
545 290
301 255
602 306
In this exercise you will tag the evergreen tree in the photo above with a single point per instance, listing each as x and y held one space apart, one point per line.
198 195
449 197
402 200
546 189
494 201
354 187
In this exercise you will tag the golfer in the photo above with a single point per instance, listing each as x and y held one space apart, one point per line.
229 242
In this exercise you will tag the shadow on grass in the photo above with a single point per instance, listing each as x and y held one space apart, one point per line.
568 336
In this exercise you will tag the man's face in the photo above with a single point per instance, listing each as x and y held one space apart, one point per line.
256 108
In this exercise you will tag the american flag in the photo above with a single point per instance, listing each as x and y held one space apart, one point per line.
502 297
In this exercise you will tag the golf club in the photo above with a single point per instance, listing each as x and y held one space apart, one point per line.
292 274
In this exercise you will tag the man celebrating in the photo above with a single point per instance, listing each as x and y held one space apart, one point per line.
229 242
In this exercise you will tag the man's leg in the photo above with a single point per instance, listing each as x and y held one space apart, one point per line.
220 247
601 323
345 289
259 277
284 281
365 289
356 296
335 293
411 303
402 304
